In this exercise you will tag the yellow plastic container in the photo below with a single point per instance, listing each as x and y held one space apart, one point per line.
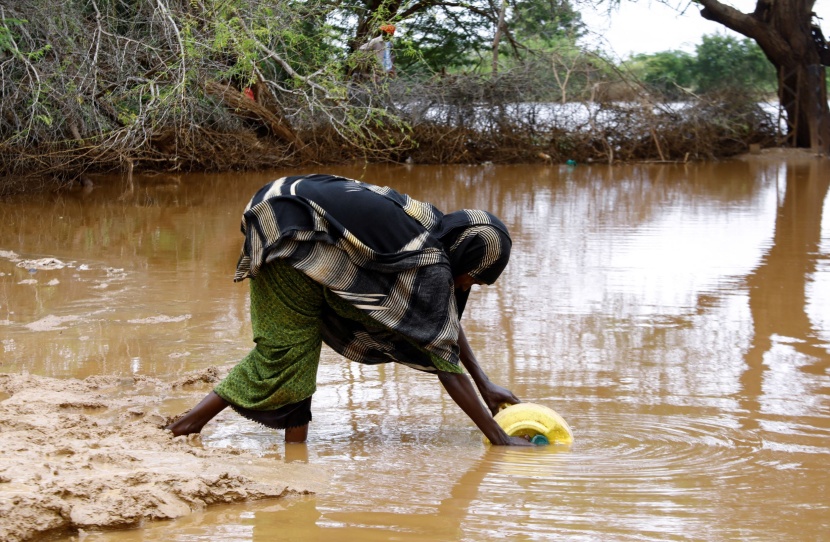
530 419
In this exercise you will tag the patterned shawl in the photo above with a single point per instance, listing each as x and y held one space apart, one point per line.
389 255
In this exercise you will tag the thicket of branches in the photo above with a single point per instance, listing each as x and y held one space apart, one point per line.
96 85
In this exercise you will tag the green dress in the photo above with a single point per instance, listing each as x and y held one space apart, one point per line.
286 316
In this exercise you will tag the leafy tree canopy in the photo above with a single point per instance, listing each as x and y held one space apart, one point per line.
547 21
724 60
450 35
719 62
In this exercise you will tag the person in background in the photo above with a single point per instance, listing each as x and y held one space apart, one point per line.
376 275
381 47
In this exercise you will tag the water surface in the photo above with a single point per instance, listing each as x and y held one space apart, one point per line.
677 316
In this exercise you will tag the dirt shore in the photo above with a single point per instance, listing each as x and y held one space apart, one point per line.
93 454
782 154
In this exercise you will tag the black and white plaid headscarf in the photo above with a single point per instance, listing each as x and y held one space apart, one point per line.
477 243
389 255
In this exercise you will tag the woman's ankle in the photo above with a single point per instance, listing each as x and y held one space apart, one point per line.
296 434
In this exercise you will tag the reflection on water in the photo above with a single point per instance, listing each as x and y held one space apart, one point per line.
676 316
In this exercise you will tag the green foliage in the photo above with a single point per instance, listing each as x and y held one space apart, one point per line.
672 73
724 61
719 63
239 37
546 23
7 37
452 37
441 39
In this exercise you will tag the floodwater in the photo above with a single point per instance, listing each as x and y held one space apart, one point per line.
677 316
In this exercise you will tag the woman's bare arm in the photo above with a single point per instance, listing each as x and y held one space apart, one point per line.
494 395
464 395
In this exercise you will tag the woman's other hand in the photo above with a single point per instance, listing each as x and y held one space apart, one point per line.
519 441
495 396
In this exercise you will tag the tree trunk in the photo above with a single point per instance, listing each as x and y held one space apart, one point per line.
801 91
497 36
782 28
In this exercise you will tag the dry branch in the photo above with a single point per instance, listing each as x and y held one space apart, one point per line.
246 107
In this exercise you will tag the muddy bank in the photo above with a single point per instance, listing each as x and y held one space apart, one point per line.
93 454
787 155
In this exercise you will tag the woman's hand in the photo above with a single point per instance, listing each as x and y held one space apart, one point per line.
518 441
495 396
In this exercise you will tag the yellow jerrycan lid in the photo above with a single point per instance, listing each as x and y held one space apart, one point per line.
531 419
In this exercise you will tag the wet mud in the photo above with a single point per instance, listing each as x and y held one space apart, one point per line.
93 454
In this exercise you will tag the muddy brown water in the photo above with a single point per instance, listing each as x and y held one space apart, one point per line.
678 316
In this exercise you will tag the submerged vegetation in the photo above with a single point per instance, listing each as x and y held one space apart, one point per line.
105 85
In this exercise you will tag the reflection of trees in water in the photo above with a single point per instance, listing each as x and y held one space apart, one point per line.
565 224
778 286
